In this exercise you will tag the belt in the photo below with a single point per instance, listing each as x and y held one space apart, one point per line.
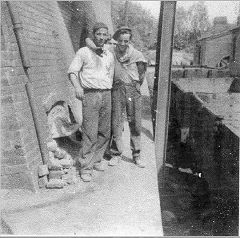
86 90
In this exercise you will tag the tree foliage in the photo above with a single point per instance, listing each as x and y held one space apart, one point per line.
190 24
142 23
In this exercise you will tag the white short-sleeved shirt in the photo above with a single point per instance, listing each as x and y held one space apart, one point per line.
95 71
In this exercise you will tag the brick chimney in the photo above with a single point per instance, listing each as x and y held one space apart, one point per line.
220 24
238 21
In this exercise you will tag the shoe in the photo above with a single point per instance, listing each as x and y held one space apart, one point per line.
139 162
114 160
100 166
86 177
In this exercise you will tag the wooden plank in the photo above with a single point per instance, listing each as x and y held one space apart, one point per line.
167 19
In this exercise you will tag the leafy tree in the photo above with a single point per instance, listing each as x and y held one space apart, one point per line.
181 27
190 24
142 23
198 18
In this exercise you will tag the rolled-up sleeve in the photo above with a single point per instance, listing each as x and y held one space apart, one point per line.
77 63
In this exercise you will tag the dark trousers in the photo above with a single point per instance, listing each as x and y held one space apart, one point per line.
126 97
96 127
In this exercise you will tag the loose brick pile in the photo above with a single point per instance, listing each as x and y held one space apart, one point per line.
59 171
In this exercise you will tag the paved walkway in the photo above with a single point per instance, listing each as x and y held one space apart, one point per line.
122 201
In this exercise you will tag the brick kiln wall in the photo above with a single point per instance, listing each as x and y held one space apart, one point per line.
20 151
53 32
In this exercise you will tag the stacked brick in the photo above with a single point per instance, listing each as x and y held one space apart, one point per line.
59 171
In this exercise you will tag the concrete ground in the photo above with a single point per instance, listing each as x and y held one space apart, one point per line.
122 201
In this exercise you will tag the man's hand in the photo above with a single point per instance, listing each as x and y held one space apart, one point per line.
79 93
90 44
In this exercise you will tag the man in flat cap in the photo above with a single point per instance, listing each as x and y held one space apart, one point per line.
91 74
129 73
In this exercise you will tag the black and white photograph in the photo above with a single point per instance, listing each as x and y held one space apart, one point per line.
120 118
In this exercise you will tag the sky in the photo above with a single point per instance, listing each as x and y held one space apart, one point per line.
215 8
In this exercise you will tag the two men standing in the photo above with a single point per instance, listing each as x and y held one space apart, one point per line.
99 70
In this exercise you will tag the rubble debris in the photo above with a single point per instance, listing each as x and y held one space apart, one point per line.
60 153
55 183
55 174
43 170
54 164
42 182
52 146
60 168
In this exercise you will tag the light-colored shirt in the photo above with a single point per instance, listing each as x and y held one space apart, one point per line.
126 67
94 71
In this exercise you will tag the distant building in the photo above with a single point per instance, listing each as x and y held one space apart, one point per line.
222 42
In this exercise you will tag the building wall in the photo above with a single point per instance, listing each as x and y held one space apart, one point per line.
236 35
211 148
20 151
51 37
214 49
77 20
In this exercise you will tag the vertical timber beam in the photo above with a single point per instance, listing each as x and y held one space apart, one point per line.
165 42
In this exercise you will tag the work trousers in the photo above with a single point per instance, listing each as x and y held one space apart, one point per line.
127 98
96 127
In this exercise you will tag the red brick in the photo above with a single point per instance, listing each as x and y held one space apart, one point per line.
14 156
42 170
42 182
6 100
55 183
5 170
55 174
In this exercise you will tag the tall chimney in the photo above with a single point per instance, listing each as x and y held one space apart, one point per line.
238 21
220 24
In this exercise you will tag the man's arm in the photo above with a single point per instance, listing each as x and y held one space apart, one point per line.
91 45
73 71
142 67
77 86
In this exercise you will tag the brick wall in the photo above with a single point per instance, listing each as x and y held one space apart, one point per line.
75 22
214 49
20 152
51 36
80 16
236 34
105 14
212 148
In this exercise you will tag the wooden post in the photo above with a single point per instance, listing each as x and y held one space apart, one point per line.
165 42
126 13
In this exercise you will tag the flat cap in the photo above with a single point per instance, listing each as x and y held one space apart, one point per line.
99 25
123 28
